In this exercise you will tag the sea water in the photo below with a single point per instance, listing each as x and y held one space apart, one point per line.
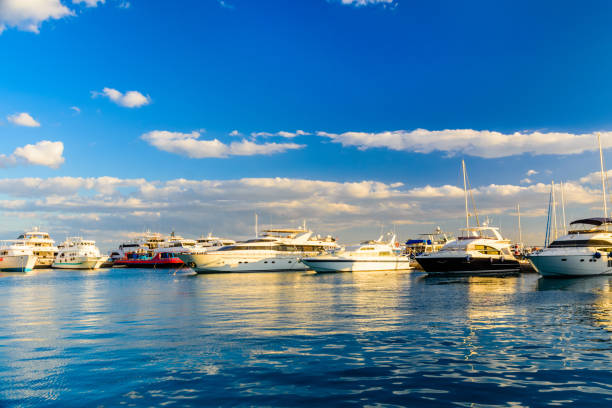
130 337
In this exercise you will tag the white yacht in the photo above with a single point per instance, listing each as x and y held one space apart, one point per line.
371 255
210 241
584 251
174 245
78 253
276 250
42 246
481 250
16 257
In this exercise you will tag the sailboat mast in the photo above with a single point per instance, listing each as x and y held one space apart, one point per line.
563 208
256 228
603 178
518 208
467 214
554 211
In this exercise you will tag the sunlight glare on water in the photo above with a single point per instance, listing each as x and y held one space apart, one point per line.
150 337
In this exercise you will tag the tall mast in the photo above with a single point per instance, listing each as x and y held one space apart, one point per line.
256 228
547 237
563 208
467 214
518 208
603 179
554 211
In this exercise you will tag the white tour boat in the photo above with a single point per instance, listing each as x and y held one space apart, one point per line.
42 246
16 257
78 253
369 256
276 250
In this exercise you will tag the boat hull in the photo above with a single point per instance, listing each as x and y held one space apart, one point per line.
571 266
153 263
80 263
208 263
356 265
17 263
438 265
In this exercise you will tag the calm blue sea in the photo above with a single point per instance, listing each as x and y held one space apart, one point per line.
124 337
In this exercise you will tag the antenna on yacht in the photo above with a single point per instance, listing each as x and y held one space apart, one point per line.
603 181
563 208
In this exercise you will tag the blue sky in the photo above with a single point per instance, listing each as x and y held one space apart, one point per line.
324 67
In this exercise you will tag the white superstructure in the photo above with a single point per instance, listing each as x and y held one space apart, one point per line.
276 250
16 257
585 251
42 246
144 245
78 253
369 256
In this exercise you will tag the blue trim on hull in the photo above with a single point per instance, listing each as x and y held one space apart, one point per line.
15 269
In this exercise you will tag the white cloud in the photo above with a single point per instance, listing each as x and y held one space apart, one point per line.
131 99
110 207
225 4
481 143
44 153
22 119
89 3
360 3
526 180
531 173
190 145
76 109
281 133
27 15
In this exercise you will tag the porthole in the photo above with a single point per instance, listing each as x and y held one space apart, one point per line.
582 260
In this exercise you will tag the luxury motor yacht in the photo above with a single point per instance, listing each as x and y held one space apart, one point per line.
16 257
481 250
275 250
42 246
78 253
584 251
374 255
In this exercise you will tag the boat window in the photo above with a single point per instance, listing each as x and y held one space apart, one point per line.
367 249
487 250
384 253
579 243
